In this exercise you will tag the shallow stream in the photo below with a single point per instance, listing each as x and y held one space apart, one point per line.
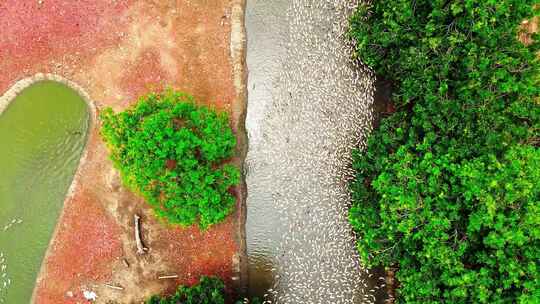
309 105
42 136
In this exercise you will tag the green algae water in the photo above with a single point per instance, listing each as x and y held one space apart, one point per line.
42 135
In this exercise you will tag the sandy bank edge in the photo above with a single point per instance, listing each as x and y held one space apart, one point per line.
239 111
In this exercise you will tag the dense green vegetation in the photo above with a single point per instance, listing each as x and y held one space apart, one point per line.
172 151
448 189
209 290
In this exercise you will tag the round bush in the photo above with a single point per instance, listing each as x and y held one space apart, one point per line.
172 152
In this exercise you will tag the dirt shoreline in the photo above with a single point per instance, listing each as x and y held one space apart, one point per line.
116 51
239 112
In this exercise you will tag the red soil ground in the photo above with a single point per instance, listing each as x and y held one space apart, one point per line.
117 50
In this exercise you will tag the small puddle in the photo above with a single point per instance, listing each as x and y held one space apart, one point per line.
42 136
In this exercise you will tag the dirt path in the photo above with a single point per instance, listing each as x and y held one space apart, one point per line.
117 50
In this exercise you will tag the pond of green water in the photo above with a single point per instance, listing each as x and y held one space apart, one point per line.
42 135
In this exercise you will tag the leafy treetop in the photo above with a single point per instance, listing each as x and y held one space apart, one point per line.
448 188
172 151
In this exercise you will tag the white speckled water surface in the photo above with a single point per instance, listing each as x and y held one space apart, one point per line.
309 105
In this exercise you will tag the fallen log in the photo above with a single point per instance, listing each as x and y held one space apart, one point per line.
141 249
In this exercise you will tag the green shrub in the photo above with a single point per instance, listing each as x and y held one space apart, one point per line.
209 290
448 189
172 151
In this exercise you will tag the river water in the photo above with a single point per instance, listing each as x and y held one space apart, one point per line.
42 135
309 105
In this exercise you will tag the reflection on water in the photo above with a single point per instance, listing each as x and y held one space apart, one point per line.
267 28
42 136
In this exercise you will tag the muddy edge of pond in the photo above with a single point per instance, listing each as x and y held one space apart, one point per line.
19 86
239 112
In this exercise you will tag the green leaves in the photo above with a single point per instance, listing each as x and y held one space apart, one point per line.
172 152
210 290
448 187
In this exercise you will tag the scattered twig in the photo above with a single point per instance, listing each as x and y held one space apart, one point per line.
173 276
